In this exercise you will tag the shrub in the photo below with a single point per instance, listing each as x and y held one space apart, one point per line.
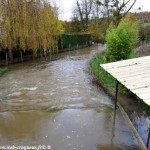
122 39
73 39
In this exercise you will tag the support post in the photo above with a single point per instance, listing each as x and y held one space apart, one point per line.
116 96
148 138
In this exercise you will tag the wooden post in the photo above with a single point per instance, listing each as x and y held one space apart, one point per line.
116 96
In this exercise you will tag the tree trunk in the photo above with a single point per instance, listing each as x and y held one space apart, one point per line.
6 58
10 54
21 56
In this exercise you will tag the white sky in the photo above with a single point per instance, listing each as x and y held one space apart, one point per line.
66 7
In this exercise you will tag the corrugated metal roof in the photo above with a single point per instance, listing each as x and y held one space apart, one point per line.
134 74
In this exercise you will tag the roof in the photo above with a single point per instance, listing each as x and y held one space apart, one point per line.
134 74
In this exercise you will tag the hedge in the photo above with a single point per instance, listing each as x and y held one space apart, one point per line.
75 40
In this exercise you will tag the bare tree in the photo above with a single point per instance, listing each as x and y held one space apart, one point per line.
84 9
117 8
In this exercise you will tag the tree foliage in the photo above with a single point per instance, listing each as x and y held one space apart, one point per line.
97 28
122 39
28 25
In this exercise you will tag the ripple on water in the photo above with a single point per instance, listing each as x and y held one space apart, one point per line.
31 89
14 94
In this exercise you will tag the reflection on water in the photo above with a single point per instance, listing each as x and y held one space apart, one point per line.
67 129
141 122
54 103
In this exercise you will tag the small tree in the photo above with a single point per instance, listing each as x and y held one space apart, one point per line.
122 39
97 28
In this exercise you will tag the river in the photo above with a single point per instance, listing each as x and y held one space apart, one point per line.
53 104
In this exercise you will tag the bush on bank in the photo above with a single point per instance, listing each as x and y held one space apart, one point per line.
3 70
122 39
120 44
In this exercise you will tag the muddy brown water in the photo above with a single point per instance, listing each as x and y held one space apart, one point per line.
53 103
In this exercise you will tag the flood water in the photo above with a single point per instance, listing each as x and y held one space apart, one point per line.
53 103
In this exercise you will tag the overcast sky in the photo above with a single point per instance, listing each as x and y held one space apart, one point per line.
66 7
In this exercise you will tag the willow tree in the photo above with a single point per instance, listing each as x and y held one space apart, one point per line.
28 25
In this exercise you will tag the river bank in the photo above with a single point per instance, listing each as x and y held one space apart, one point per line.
4 64
3 71
19 57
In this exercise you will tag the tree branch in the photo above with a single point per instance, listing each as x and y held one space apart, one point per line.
129 8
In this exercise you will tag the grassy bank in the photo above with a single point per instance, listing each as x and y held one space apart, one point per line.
3 71
104 78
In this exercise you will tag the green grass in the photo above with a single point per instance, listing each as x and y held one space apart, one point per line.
3 71
105 78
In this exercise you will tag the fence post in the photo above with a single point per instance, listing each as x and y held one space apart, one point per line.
116 96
